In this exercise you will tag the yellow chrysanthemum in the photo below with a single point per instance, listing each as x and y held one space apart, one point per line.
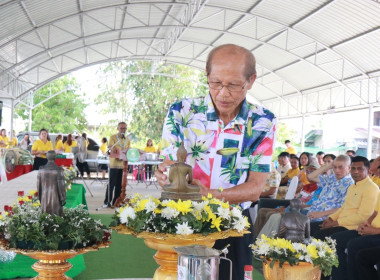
1 217
36 204
136 197
140 205
215 223
26 198
312 250
158 211
184 206
225 205
32 193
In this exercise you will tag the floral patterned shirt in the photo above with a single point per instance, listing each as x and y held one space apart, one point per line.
221 155
333 193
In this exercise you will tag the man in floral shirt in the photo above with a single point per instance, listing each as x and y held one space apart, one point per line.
229 142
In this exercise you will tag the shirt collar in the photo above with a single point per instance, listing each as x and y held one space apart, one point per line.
362 182
213 116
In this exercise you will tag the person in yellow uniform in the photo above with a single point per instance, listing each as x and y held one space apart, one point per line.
118 144
149 149
289 148
14 141
103 149
3 138
70 143
59 143
39 149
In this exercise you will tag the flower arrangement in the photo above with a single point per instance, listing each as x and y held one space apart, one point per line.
317 252
180 217
25 227
70 175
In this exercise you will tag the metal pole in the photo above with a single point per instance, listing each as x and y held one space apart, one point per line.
30 112
370 124
303 134
12 116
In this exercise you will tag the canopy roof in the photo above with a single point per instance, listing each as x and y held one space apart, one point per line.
312 56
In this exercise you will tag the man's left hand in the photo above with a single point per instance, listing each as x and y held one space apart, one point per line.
328 223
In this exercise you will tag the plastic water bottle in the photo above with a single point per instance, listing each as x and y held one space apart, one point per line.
248 272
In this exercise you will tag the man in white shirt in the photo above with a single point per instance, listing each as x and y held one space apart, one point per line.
284 163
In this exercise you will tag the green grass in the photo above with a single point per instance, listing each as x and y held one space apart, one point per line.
127 257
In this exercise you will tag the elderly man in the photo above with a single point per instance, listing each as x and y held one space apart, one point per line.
229 141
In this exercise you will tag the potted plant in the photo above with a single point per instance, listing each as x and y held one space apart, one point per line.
283 259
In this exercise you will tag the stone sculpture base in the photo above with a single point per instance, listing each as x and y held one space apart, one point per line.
182 196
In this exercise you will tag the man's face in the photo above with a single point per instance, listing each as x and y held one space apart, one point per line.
341 169
374 165
358 171
122 128
320 159
328 160
228 70
350 154
294 163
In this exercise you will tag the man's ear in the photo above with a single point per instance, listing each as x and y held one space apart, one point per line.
252 80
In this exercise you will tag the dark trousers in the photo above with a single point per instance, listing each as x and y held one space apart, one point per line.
83 166
323 233
38 162
314 227
238 252
114 184
363 253
148 171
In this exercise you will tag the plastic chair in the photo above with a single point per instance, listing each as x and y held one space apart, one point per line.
292 188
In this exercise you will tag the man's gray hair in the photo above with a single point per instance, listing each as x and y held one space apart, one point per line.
344 158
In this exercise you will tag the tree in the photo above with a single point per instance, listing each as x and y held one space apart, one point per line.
62 113
283 133
143 100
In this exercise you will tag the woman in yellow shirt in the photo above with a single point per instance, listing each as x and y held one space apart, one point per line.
103 149
149 149
3 138
70 143
59 143
40 148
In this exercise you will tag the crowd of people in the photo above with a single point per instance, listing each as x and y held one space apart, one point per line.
340 195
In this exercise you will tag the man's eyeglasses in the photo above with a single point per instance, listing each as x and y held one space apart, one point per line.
229 87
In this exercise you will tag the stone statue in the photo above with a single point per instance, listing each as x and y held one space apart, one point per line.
180 175
51 186
295 226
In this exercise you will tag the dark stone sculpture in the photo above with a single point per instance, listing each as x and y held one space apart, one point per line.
295 226
51 187
180 175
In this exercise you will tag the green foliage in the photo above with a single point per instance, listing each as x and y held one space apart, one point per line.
283 133
62 113
143 100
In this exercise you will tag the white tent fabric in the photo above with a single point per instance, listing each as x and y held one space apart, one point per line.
312 56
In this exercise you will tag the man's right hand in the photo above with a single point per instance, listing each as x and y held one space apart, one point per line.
162 179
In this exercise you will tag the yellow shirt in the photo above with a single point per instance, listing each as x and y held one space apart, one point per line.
122 144
103 148
41 146
67 147
291 151
359 204
5 139
13 142
150 149
59 145
292 172
376 180
376 221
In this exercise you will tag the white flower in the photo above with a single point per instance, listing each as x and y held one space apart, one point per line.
169 213
224 212
199 206
184 229
235 212
240 224
128 212
150 206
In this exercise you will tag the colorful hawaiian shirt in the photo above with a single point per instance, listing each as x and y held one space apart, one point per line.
221 156
333 193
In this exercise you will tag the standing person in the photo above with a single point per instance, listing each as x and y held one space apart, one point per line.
3 138
229 141
13 142
118 144
103 150
289 148
69 143
149 149
59 144
82 155
40 148
25 142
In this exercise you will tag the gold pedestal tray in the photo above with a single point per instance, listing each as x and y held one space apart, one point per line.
166 257
52 264
303 270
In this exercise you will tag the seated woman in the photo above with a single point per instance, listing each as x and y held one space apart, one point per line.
40 148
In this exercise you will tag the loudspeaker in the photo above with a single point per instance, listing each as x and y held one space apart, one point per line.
1 111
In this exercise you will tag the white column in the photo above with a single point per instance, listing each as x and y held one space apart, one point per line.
303 134
370 124
12 117
30 112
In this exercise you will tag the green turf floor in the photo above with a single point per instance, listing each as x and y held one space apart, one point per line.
127 257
